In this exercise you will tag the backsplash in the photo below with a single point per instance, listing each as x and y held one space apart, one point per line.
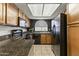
5 30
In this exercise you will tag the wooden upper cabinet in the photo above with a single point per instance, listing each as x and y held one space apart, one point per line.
12 14
20 14
2 13
24 16
27 20
73 13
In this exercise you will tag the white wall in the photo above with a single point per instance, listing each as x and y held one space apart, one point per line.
4 30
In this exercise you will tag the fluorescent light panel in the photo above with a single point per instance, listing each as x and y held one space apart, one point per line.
36 9
48 9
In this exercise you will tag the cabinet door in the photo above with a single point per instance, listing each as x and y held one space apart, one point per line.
2 13
24 16
12 14
20 14
48 38
28 21
73 40
43 39
73 30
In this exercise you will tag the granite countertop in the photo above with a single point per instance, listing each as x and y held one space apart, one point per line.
16 48
42 32
39 32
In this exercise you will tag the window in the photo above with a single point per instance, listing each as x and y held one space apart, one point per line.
41 26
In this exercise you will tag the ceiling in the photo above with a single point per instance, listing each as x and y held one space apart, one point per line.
41 11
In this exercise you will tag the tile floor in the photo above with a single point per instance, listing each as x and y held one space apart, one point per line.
41 50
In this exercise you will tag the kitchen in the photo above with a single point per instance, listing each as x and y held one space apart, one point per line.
22 28
9 21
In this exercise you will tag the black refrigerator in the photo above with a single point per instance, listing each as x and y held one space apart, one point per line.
59 32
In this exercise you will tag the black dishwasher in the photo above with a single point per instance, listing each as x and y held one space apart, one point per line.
36 37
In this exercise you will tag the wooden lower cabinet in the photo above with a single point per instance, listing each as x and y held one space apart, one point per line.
43 39
46 38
